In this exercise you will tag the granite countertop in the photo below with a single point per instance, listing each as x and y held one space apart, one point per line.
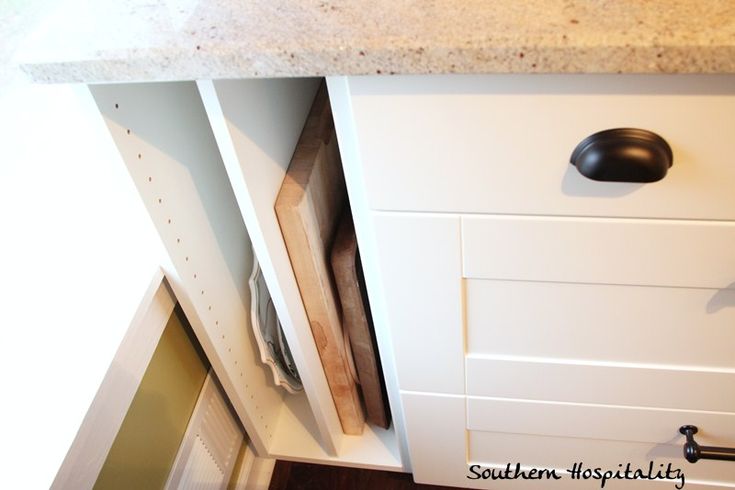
135 40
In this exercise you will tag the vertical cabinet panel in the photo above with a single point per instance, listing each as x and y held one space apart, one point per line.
257 124
436 438
420 260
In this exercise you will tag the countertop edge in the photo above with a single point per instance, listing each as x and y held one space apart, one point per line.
154 65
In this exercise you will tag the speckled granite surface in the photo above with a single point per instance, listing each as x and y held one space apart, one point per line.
125 40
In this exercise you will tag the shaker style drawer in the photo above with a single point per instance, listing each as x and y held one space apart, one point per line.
601 323
609 422
489 433
502 144
606 383
609 311
553 435
673 253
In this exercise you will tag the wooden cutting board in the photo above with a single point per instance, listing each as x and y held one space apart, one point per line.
308 207
358 321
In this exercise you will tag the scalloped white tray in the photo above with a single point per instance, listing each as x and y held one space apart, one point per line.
274 351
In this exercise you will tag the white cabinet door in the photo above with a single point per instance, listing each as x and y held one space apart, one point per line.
498 363
455 440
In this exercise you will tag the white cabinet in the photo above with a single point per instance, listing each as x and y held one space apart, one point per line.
523 312
536 316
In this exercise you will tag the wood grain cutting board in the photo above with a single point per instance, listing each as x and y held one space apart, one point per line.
308 207
358 322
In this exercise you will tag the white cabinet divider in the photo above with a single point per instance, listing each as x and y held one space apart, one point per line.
257 125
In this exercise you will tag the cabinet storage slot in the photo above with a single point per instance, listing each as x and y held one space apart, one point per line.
312 207
257 125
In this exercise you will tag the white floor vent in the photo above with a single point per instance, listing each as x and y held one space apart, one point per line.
211 444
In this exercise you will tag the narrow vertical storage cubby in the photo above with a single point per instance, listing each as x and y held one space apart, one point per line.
257 124
208 160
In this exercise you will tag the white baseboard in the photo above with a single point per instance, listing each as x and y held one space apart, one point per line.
255 473
260 473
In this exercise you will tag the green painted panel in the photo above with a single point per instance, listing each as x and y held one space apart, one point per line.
146 445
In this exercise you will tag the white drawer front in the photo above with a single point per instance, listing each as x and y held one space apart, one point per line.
492 449
613 311
556 435
697 254
608 422
447 434
601 382
501 144
596 322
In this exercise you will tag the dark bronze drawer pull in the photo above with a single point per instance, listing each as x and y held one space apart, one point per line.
623 155
693 452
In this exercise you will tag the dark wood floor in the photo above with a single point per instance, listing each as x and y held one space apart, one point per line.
302 476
